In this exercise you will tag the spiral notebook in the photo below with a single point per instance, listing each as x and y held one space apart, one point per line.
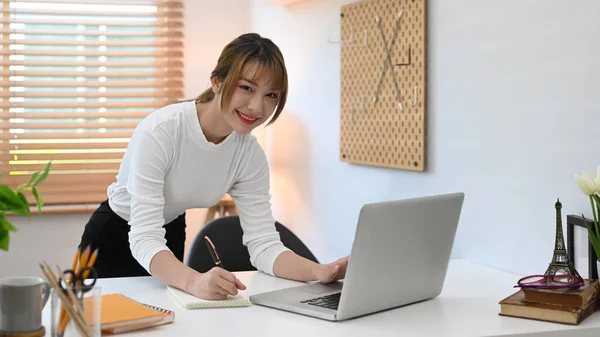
120 313
192 302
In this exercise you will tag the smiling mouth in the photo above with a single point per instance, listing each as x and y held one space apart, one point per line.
246 119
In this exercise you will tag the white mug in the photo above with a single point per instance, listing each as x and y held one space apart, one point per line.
22 300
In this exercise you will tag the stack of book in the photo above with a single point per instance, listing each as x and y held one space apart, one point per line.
567 306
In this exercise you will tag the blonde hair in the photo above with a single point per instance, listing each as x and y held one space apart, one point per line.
248 50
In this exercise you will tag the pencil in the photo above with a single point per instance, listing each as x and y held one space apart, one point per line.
91 263
76 259
72 308
64 317
82 258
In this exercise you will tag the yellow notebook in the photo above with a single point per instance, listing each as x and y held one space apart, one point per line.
192 302
119 313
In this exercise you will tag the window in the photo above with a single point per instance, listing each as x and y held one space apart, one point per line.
76 79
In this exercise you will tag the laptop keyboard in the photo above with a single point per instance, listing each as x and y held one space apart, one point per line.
329 301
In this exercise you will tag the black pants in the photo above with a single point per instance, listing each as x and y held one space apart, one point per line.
110 233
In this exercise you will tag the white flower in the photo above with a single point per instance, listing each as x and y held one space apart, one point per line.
586 183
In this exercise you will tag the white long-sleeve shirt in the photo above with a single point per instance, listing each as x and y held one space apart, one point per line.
169 167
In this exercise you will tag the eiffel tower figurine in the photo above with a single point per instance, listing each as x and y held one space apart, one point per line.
560 264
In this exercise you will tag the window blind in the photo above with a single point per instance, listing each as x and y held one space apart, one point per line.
76 79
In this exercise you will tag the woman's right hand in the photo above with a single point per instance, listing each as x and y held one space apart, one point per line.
216 284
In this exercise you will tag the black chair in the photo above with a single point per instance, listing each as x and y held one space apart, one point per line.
226 234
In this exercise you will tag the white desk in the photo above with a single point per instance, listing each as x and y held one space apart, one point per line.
467 306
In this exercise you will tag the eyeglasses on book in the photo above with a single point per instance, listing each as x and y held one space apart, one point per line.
550 281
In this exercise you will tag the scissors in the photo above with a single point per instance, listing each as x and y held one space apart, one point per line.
77 282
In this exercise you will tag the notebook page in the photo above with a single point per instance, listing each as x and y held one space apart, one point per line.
192 302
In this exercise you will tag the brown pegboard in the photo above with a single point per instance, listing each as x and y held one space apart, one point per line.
379 134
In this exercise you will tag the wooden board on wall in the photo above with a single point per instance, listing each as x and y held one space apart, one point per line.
374 130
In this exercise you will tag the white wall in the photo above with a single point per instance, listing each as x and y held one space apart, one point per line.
209 25
52 238
512 114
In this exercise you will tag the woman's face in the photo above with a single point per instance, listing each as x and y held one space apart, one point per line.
253 101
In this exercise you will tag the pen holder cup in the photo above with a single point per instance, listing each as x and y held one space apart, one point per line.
84 325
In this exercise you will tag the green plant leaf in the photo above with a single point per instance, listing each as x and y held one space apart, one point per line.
4 239
594 240
12 202
44 174
33 177
5 224
38 199
24 210
597 200
21 211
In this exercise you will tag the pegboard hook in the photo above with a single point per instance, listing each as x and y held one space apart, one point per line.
365 40
350 41
405 64
353 109
388 59
415 99
342 41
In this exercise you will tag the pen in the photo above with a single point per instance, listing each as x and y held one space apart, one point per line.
213 252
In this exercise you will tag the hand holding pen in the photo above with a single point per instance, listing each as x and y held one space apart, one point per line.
217 283
213 252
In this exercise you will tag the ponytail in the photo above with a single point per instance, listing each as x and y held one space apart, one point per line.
206 96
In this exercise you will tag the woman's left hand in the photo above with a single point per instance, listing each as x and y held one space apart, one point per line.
331 272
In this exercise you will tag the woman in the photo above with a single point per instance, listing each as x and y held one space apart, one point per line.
188 155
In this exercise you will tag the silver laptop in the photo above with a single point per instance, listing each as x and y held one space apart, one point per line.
399 256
